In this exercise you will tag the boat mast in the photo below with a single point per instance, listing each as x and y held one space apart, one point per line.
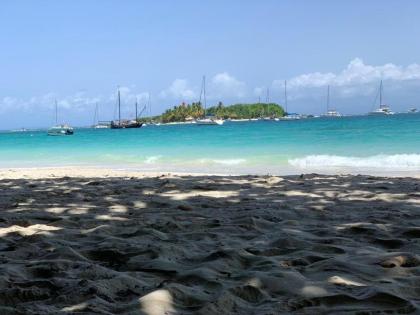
328 98
95 115
380 95
56 113
149 104
204 95
136 109
285 95
267 101
119 107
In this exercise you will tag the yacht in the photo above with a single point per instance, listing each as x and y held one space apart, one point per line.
288 116
207 120
59 130
97 124
383 109
126 123
330 111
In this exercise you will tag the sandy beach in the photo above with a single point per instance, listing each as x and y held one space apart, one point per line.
113 242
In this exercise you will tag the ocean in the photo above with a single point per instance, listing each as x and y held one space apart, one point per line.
354 144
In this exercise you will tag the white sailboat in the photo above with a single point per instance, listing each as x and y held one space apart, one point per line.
288 116
59 130
207 120
97 124
383 109
331 112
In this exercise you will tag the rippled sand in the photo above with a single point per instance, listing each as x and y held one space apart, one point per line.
121 243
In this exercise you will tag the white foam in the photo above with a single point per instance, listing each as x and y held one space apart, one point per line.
223 161
152 159
382 161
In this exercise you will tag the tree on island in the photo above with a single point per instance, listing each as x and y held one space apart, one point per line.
185 112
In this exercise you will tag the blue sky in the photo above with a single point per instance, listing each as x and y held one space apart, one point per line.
78 52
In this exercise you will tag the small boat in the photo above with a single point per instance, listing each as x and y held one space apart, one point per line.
291 116
97 124
238 119
412 110
126 123
330 112
102 125
20 130
207 120
383 109
287 116
60 130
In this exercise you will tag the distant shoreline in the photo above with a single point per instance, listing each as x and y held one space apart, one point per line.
118 171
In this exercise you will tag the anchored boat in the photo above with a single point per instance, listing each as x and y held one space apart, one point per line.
126 123
60 130
207 120
383 109
331 112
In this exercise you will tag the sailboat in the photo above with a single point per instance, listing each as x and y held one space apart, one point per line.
59 130
330 111
288 116
97 124
383 109
207 120
124 124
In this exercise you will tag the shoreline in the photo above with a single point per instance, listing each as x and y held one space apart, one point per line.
118 171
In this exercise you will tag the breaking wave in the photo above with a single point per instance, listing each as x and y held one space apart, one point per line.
223 161
396 161
152 159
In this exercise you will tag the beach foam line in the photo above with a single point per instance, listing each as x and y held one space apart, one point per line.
395 161
152 159
222 161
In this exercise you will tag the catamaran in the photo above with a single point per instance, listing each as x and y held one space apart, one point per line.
330 111
59 130
97 124
288 116
383 109
207 120
126 123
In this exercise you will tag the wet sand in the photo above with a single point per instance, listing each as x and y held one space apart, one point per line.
107 242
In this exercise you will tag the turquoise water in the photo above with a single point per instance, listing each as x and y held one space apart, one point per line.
389 143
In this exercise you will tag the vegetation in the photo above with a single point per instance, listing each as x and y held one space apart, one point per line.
246 111
185 112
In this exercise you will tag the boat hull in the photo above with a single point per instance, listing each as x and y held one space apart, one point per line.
60 131
209 122
126 126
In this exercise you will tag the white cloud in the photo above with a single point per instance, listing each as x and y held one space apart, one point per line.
77 101
356 73
128 96
179 89
225 85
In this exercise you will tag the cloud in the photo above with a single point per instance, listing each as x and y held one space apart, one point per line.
356 73
78 101
225 85
128 96
179 89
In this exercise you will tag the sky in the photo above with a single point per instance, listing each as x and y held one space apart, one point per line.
78 52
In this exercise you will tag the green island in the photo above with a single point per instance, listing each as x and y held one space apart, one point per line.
188 112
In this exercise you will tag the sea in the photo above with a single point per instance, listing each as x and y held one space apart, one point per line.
354 144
